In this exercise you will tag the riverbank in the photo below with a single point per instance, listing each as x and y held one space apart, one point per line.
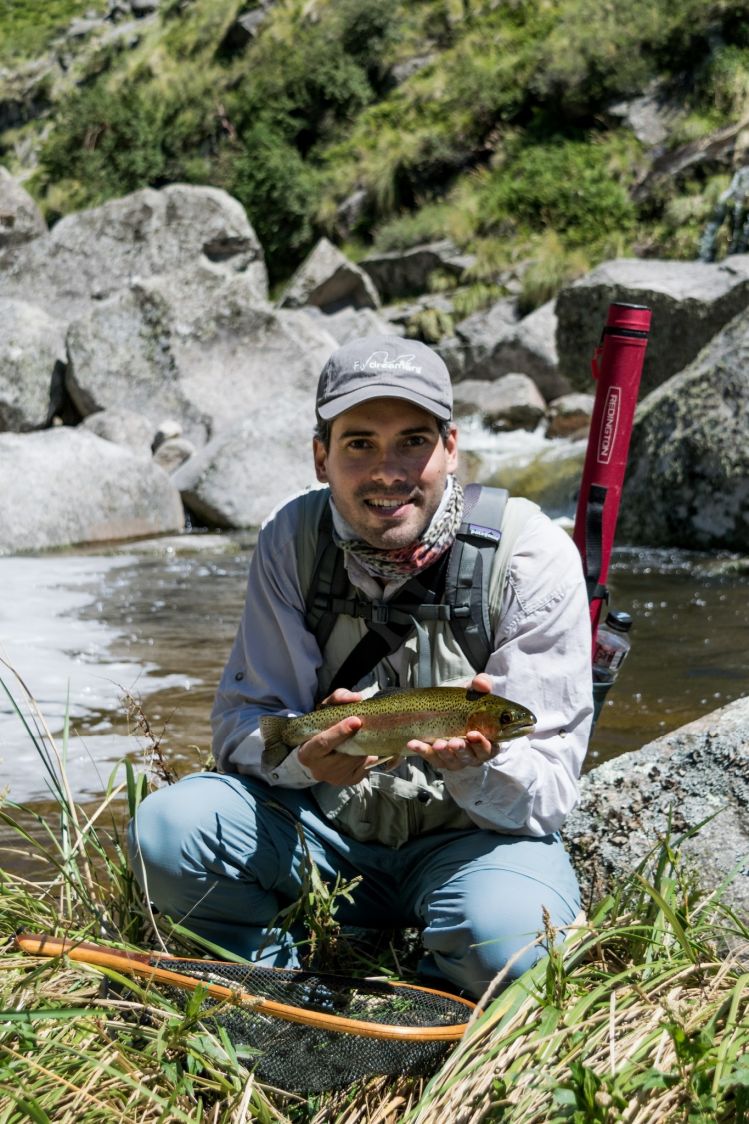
641 1014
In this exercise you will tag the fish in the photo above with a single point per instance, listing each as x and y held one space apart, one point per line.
393 717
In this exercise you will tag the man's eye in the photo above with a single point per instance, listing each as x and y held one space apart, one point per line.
416 441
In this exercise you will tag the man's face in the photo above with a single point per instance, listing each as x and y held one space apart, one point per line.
386 467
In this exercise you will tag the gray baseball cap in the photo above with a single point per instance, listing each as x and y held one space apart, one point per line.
384 367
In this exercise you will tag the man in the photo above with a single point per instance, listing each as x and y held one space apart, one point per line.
460 839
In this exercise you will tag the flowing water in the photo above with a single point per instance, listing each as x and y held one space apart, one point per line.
155 622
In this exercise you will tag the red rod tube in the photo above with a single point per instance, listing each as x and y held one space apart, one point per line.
617 368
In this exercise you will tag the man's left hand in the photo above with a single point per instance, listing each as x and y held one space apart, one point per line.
468 752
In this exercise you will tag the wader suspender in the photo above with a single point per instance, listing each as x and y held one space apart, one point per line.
455 589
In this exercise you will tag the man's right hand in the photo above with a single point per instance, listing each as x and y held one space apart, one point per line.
320 753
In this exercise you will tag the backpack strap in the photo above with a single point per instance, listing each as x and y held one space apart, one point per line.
469 572
464 588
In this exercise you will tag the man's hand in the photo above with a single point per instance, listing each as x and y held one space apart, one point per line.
453 754
319 754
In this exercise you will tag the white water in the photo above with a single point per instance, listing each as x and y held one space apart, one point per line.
64 657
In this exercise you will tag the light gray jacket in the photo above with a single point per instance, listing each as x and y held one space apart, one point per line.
541 658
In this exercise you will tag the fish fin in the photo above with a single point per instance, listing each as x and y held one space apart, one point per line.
382 762
271 731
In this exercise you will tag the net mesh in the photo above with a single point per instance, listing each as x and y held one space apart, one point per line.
308 1059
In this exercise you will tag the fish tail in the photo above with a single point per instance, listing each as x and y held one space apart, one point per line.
271 731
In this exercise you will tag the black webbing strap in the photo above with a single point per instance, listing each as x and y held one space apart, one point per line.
390 623
594 542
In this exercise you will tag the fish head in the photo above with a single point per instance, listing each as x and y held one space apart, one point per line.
499 719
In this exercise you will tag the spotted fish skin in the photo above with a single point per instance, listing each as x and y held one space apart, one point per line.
392 718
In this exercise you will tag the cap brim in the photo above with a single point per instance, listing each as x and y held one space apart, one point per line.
344 402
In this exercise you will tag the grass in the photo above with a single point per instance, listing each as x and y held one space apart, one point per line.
640 1014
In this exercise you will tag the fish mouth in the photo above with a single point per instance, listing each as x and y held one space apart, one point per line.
518 729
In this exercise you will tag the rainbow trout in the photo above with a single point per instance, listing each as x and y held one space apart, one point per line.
391 718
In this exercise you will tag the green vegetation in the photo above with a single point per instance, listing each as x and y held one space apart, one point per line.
640 1013
479 121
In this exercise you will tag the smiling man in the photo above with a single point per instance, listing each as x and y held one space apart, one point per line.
390 575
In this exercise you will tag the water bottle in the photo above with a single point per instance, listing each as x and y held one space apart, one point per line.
612 646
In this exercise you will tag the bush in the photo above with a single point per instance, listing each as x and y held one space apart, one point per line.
561 185
279 191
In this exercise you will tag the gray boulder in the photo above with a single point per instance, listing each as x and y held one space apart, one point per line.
240 476
66 486
350 323
20 218
92 254
403 273
510 402
688 481
494 343
674 783
570 415
173 452
691 301
330 281
124 427
32 366
193 349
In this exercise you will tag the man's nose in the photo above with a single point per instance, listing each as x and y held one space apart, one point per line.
389 467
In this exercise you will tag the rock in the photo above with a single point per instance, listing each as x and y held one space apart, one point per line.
329 280
167 429
691 302
350 323
90 255
66 486
173 452
32 366
510 402
569 416
651 117
490 344
124 427
403 273
240 476
20 218
547 472
195 351
25 91
674 783
688 480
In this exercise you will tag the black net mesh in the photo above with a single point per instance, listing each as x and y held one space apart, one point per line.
306 1059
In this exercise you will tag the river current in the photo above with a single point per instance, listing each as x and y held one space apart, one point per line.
92 632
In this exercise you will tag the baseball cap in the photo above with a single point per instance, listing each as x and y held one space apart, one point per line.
384 367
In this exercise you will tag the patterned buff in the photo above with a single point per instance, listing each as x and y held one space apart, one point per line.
407 560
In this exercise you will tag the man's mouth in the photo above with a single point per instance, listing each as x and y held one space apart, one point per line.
386 506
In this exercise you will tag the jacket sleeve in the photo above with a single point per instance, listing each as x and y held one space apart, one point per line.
542 659
272 668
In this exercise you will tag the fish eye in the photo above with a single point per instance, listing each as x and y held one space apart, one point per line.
505 718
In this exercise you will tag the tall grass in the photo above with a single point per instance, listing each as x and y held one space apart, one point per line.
639 1014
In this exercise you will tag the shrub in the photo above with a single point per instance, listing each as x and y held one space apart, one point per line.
562 185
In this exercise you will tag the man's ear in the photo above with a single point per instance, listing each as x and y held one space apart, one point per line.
451 447
320 453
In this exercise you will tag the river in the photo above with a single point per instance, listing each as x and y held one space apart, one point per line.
155 621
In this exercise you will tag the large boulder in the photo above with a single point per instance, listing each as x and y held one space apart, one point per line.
92 254
328 280
20 218
494 342
32 366
699 772
510 402
691 301
193 348
688 481
65 486
240 476
403 273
